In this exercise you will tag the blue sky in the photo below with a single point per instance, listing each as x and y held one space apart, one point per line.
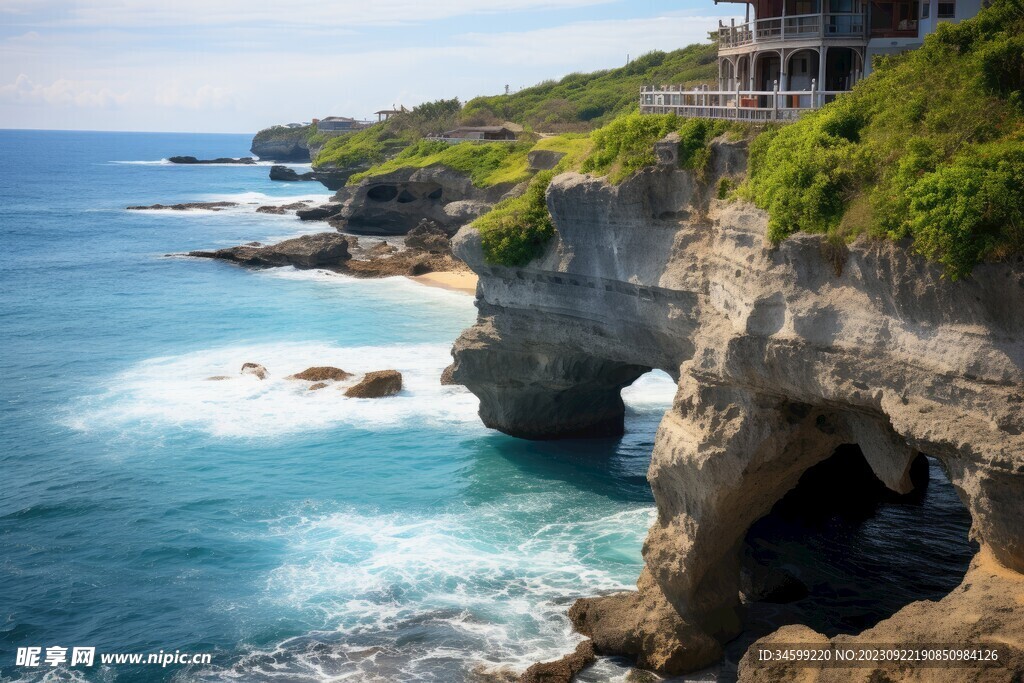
240 65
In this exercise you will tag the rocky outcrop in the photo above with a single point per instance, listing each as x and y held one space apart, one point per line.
321 373
429 236
287 174
255 369
379 384
543 159
244 161
563 670
324 249
282 144
188 206
396 202
282 209
319 213
780 360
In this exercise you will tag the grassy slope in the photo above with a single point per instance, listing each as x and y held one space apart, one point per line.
580 102
930 147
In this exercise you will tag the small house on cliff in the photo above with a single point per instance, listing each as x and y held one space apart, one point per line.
486 133
787 56
339 124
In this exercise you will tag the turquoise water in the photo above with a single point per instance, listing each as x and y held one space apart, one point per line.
292 535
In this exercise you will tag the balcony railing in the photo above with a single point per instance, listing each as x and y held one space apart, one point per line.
798 27
733 105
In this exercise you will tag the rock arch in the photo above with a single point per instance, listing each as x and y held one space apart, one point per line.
779 361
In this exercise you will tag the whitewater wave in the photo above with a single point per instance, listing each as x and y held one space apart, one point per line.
175 392
167 162
438 597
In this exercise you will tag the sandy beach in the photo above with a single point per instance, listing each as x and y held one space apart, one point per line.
461 281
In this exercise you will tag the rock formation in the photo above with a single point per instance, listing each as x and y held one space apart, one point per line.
323 249
255 369
282 209
288 174
318 213
321 373
188 206
285 145
429 236
562 670
379 384
396 202
780 360
244 161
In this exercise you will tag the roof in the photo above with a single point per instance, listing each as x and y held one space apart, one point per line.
337 118
482 129
390 111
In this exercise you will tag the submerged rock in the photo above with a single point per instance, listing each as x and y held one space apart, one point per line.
255 369
324 249
321 374
563 670
318 386
244 161
217 378
282 209
377 384
188 206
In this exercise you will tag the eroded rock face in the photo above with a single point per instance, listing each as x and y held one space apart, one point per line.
288 174
395 203
779 361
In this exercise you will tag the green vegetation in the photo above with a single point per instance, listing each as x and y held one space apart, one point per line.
515 231
284 133
487 164
930 147
626 145
378 143
581 102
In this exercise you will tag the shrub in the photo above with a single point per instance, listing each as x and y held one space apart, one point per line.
516 231
927 148
626 145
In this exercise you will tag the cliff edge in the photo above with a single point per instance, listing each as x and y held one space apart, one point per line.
783 353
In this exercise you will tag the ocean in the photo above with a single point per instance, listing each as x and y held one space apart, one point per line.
291 535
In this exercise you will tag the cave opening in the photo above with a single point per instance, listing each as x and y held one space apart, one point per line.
840 552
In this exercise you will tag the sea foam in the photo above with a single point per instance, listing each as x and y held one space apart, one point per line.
175 392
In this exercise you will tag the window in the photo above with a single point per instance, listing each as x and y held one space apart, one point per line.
947 10
926 9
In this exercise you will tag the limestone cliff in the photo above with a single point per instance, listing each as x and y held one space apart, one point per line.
782 354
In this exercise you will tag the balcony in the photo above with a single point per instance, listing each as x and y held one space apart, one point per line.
757 106
850 25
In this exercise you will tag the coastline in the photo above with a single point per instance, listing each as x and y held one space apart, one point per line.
455 281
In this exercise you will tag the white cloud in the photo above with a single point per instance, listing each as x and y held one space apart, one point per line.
316 13
62 93
204 97
188 85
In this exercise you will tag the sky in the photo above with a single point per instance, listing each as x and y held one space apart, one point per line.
241 65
